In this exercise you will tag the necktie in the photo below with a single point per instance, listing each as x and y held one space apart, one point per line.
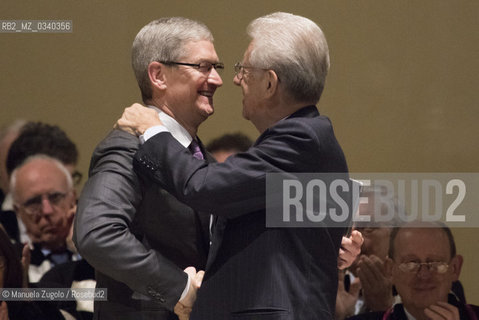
195 150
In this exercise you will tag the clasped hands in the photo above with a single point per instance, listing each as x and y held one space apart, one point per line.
137 118
184 307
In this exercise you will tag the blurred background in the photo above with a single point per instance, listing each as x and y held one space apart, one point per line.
402 90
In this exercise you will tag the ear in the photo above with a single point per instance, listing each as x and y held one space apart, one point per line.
72 205
272 83
156 73
455 266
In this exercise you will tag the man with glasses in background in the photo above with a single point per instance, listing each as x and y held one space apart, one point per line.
44 199
423 265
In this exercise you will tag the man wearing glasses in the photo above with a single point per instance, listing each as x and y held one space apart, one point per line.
44 199
255 272
423 265
139 238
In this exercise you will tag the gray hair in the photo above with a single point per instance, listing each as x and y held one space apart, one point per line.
296 49
57 163
163 40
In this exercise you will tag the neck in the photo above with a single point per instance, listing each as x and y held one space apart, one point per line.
54 247
417 313
192 128
277 113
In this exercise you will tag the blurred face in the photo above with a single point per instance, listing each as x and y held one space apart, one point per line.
376 238
44 202
420 289
5 144
250 84
190 91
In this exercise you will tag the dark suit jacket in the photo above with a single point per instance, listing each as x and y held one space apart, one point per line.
137 236
255 272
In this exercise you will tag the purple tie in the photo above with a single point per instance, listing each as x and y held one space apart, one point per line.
195 150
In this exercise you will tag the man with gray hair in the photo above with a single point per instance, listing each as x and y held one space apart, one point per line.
44 199
143 242
255 272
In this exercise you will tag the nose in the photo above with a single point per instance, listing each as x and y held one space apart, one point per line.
47 207
215 78
424 272
237 80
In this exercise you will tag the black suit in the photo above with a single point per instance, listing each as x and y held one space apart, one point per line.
255 272
138 237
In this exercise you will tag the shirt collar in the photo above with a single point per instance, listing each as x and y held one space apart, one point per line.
176 130
7 204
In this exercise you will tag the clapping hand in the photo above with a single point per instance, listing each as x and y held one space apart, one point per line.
350 249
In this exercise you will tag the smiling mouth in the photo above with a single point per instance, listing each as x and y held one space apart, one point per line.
424 288
208 94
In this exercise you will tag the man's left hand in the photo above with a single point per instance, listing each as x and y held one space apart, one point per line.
137 118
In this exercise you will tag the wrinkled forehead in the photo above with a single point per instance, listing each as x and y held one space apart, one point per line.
422 242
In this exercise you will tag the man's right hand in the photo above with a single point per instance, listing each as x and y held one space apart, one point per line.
184 307
137 118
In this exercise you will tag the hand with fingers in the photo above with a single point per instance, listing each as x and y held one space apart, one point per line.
442 311
350 249
346 300
184 307
137 118
376 285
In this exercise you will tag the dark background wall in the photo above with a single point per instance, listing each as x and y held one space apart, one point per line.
402 91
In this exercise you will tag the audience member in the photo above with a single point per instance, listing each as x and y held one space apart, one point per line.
231 143
365 286
8 218
41 138
423 265
45 201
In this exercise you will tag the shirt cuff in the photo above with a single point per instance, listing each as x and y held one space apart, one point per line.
185 292
150 132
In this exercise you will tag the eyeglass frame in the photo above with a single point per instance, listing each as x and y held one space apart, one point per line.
36 212
432 266
239 73
218 66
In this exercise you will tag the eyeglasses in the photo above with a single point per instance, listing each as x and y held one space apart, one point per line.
414 267
204 67
34 206
239 70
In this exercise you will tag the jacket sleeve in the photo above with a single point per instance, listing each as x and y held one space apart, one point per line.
102 232
232 188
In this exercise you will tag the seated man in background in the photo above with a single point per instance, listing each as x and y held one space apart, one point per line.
423 265
8 219
44 199
228 144
365 287
41 138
